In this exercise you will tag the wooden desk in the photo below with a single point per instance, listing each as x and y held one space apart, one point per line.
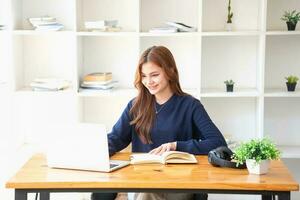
35 176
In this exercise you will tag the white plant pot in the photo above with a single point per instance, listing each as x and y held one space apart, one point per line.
255 168
228 26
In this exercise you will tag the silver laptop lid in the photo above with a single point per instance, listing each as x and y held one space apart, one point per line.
86 148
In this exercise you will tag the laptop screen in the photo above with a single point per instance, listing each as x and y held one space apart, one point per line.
85 148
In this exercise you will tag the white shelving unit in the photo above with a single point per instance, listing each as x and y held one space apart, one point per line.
257 55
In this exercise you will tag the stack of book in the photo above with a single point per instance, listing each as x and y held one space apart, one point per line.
98 80
173 27
102 25
45 24
49 84
2 27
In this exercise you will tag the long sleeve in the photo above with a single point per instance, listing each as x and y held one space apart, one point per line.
121 134
207 135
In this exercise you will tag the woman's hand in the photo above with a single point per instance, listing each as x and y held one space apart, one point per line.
171 146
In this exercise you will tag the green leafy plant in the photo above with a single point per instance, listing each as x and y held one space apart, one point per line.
291 16
230 13
292 79
257 150
229 82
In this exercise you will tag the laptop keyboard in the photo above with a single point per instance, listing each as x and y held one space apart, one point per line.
111 165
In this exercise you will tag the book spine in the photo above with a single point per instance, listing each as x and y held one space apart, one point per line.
97 78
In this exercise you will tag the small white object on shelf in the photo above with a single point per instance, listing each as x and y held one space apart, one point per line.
49 84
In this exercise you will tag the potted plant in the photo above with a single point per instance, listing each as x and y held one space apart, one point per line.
228 26
229 85
291 82
291 18
257 155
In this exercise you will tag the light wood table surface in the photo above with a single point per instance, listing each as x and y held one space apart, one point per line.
35 176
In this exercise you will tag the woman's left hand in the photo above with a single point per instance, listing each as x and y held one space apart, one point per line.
170 146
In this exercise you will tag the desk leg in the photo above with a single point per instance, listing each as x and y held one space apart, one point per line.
284 196
44 195
20 195
266 197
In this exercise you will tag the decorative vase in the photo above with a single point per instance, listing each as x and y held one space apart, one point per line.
257 168
229 88
228 26
291 86
291 26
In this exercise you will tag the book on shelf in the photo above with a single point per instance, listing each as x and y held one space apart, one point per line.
45 24
49 84
2 27
181 26
42 19
98 86
107 29
52 27
98 76
173 27
97 82
165 158
102 25
163 29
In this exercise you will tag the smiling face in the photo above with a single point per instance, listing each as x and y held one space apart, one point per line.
154 79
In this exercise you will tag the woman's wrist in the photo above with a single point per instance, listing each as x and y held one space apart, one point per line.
173 146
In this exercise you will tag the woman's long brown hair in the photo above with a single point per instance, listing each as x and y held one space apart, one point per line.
143 110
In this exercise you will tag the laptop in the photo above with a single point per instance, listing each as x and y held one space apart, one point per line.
82 147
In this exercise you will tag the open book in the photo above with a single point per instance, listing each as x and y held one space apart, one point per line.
166 157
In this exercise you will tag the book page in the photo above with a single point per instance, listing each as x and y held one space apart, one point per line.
141 158
178 157
166 157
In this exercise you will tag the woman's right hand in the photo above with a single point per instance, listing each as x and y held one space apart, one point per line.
170 146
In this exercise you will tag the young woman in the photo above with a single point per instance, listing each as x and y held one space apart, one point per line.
162 117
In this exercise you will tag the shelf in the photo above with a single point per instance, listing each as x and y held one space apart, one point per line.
125 12
230 33
22 10
178 34
246 15
257 54
95 33
235 117
117 55
281 60
237 92
289 151
225 58
168 10
29 91
281 93
276 9
33 32
283 33
116 92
